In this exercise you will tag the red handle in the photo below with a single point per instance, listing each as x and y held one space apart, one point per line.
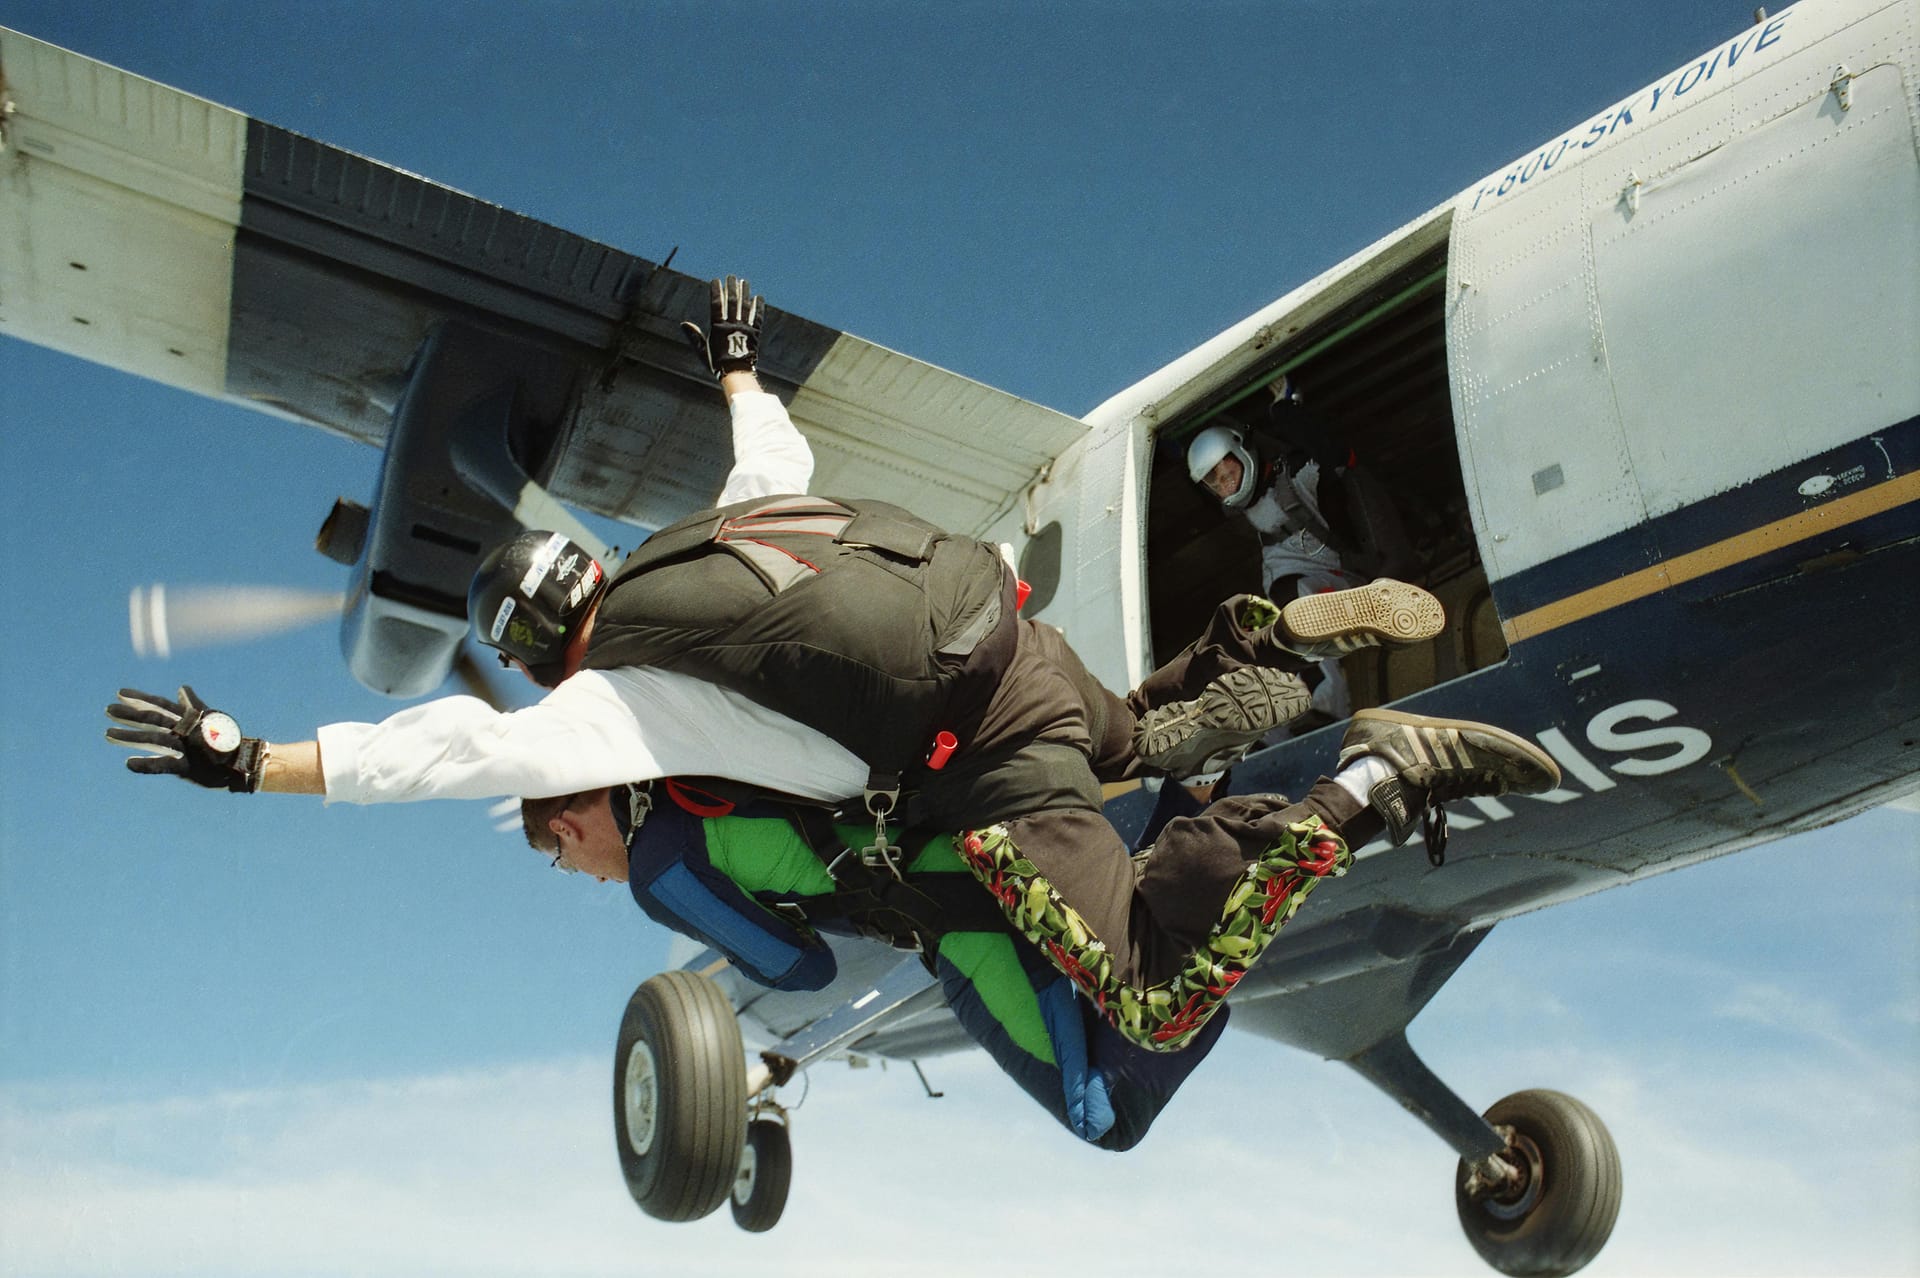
944 744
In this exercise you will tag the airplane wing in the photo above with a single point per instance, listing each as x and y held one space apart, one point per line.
158 233
165 235
1909 802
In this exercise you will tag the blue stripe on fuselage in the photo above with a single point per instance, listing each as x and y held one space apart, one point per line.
1883 455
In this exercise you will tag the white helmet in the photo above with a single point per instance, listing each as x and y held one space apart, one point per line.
1213 445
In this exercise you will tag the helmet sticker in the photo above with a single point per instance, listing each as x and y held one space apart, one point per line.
500 619
583 587
522 635
542 564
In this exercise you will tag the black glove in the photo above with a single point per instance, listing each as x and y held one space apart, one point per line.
731 341
189 740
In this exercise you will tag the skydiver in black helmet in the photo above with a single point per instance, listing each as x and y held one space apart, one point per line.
1033 726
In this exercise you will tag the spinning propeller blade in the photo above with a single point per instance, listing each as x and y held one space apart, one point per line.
163 619
505 816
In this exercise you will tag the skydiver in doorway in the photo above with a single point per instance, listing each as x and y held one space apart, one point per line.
1323 526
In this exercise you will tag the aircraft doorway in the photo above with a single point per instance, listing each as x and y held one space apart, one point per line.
1370 399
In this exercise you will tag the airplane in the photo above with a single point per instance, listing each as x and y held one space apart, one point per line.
1566 377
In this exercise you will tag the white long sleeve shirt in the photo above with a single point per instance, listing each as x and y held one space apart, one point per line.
769 455
606 727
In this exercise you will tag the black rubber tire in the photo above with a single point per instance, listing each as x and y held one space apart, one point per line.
766 1173
680 1053
1563 1216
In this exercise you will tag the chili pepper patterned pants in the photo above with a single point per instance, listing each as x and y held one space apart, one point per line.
1158 952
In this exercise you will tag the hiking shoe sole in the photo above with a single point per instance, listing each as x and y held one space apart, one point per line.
1342 621
1231 713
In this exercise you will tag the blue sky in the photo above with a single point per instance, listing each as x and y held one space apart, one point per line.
258 1037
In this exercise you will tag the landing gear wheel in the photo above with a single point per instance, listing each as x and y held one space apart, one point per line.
1557 1213
679 1096
766 1171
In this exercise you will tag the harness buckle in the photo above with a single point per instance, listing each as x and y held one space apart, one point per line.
639 805
882 852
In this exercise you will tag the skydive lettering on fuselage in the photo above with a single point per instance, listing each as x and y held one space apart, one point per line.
1650 751
1637 108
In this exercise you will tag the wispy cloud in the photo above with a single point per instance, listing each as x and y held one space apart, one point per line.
1268 1156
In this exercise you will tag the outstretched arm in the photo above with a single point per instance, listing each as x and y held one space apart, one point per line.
769 456
456 747
601 727
293 768
730 343
744 383
190 739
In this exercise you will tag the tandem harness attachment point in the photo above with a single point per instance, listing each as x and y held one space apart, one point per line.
639 805
872 890
881 797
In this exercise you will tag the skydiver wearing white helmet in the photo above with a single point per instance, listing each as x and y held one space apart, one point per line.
1279 493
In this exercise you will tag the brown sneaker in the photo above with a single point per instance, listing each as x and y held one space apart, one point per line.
1342 621
1229 716
1435 760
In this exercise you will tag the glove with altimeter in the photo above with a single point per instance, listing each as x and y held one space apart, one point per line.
731 341
187 739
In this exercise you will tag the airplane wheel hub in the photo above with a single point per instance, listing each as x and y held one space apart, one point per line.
640 1097
744 1178
1521 1194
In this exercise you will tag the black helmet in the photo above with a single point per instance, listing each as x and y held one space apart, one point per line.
530 596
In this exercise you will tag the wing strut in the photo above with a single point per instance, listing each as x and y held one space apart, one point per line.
907 988
1392 1066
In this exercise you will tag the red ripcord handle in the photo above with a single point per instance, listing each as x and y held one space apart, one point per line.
944 744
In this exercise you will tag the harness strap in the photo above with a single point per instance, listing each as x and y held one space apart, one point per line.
629 815
1302 516
739 532
929 907
906 914
882 797
669 543
701 803
912 542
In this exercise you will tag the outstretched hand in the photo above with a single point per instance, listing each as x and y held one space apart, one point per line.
731 341
187 739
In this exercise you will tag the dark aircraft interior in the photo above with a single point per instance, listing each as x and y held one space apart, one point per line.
1371 382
